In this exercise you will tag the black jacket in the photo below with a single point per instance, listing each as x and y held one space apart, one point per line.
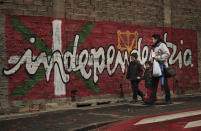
135 69
148 78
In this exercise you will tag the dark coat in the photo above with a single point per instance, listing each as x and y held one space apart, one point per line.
135 69
148 78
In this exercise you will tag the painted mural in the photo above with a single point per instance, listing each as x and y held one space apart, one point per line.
50 57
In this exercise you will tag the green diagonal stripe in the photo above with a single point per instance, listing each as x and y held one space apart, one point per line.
38 44
86 30
90 84
28 84
41 46
82 36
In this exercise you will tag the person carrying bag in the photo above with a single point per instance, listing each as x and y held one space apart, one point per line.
160 56
156 69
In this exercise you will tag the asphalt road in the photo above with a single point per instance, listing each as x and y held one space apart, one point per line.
186 120
93 118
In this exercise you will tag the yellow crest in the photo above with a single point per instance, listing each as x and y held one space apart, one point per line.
127 40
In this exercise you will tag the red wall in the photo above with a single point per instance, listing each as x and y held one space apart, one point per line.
26 35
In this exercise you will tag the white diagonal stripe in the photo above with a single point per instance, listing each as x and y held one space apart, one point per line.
168 117
193 124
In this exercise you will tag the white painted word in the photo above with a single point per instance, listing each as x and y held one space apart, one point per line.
97 60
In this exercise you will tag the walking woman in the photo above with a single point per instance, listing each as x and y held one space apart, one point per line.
161 55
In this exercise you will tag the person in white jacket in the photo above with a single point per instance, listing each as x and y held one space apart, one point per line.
161 54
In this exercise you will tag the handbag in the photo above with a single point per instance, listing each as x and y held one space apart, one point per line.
170 72
156 69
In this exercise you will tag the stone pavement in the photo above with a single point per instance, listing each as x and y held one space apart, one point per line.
90 118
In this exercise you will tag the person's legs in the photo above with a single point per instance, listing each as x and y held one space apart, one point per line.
167 91
154 87
140 93
148 93
134 89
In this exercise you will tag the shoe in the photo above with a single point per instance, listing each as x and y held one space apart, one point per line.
148 102
143 97
168 102
146 98
156 99
133 101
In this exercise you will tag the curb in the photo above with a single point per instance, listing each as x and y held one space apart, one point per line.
30 114
94 125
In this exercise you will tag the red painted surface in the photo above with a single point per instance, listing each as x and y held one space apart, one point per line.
170 125
103 35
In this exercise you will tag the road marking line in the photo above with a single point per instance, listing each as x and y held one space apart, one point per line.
108 114
193 124
168 117
175 103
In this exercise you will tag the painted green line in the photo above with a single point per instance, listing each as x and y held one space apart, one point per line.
26 86
90 84
41 46
83 34
38 44
86 30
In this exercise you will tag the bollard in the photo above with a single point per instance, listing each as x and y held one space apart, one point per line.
121 91
73 93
